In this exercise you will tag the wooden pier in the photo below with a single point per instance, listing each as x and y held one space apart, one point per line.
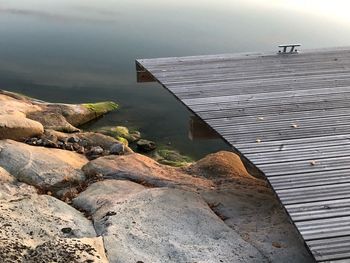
289 114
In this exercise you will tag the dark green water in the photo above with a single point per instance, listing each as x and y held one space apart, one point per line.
84 51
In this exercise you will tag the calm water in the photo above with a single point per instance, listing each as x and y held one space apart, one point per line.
81 51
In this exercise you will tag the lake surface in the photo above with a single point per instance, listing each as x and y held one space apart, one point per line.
84 51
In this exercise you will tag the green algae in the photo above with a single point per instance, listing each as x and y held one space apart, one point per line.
101 107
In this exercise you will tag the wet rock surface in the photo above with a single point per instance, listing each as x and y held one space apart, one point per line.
145 145
121 132
171 157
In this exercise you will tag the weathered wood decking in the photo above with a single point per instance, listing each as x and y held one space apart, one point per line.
289 114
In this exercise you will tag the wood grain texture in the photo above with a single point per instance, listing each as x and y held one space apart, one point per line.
288 114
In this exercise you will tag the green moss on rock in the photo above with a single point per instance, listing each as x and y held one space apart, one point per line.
101 107
123 141
172 158
120 131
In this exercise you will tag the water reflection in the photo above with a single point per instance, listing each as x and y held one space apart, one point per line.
75 50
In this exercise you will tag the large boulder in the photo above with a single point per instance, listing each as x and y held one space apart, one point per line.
105 193
21 116
12 103
65 117
144 170
220 165
47 169
18 127
163 225
44 229
52 120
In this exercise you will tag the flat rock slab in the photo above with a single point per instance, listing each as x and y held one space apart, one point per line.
256 215
44 229
104 194
47 169
168 225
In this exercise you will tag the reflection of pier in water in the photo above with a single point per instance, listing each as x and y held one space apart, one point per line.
198 130
288 113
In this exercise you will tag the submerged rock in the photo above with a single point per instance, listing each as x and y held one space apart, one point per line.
172 158
145 145
101 108
120 132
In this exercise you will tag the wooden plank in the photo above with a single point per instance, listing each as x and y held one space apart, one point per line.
318 178
261 99
279 63
294 144
334 249
279 109
319 210
274 118
239 57
324 228
290 116
305 166
314 193
301 154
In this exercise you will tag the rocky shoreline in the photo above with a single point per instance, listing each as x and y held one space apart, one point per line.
68 195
